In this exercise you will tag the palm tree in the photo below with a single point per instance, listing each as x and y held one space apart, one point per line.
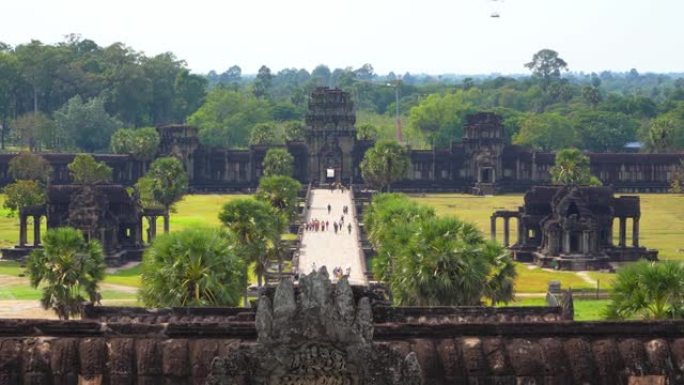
448 262
649 290
257 226
67 267
194 267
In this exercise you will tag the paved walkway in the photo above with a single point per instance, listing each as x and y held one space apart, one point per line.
325 248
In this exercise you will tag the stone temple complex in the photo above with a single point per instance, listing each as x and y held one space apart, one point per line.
571 227
481 161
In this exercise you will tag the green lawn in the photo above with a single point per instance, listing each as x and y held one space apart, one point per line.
11 268
585 310
125 277
537 280
199 210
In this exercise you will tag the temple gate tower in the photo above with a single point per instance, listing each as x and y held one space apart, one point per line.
483 142
330 135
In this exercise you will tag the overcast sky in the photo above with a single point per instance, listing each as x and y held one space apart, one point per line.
432 36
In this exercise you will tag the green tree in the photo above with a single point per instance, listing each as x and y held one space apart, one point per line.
232 77
592 95
448 262
34 130
572 168
86 170
169 183
67 267
10 78
389 224
648 290
29 166
666 133
265 134
86 124
294 130
546 65
546 132
226 117
23 193
257 226
384 164
366 132
263 82
278 161
193 267
603 131
141 143
281 192
441 117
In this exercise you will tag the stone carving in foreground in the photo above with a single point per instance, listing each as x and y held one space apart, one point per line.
317 336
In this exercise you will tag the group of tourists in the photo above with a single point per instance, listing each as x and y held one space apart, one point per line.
317 225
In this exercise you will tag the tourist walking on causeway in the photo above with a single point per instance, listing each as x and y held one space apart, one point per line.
329 208
349 228
335 227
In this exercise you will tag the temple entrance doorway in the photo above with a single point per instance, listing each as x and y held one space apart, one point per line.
486 175
331 166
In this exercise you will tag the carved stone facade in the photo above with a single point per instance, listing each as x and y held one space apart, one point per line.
480 162
571 227
315 335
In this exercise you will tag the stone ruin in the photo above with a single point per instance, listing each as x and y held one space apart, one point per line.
571 228
317 334
105 212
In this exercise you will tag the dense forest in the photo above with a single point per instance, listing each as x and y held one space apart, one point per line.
73 96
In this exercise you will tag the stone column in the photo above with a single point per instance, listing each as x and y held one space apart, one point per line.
36 230
585 242
522 232
623 232
492 227
22 230
152 221
635 232
566 242
506 231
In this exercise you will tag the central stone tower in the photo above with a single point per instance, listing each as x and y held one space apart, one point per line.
330 135
483 143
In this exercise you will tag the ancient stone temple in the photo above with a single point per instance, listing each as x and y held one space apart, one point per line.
107 213
571 227
482 161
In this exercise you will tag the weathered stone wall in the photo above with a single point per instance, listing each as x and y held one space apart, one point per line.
561 353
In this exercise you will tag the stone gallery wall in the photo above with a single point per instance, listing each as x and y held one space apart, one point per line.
558 353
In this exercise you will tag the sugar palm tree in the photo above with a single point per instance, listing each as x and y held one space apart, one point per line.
257 226
649 290
67 268
448 262
194 267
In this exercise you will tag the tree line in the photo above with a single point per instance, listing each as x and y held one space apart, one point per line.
73 95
